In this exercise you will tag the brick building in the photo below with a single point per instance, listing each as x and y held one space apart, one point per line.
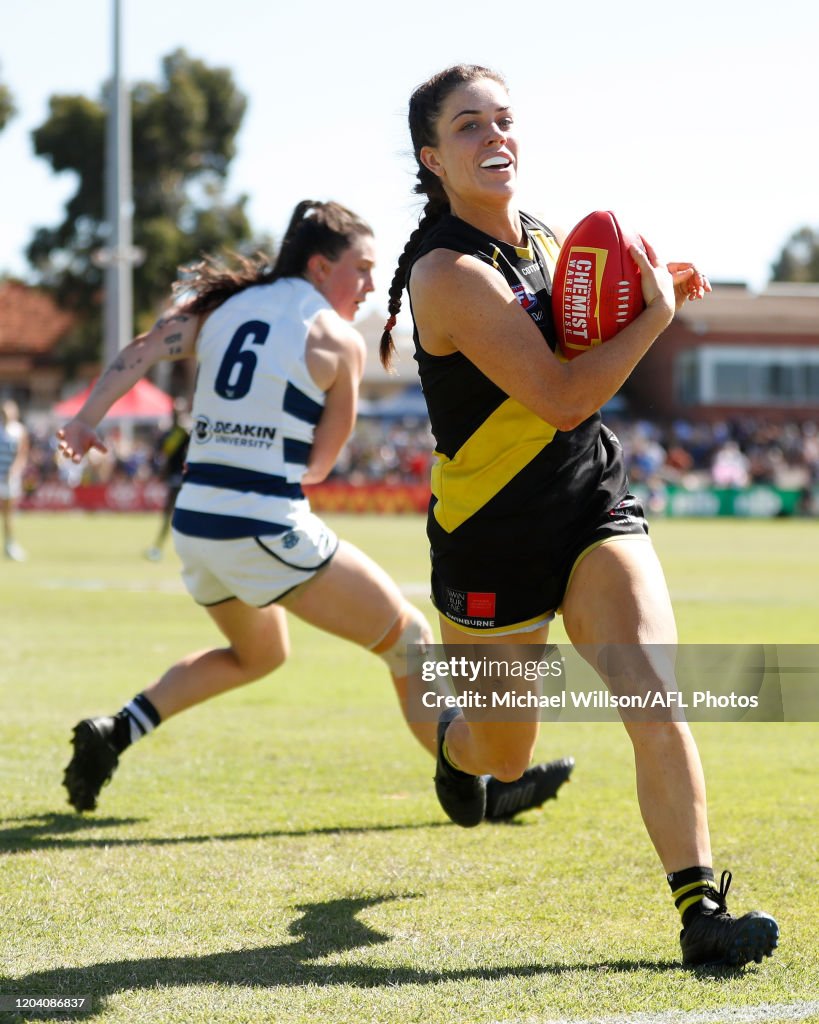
31 325
736 353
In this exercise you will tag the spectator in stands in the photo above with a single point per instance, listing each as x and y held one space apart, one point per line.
730 466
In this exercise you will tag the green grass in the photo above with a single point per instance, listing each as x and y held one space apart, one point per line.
278 854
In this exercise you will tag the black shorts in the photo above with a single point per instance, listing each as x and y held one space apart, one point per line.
517 583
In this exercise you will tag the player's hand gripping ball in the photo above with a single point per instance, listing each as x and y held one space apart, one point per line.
596 288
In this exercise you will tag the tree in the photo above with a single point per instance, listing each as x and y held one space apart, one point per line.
7 108
184 132
799 259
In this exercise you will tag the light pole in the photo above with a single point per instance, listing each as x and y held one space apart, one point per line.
119 255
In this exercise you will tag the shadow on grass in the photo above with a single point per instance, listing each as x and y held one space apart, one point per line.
322 929
34 831
65 831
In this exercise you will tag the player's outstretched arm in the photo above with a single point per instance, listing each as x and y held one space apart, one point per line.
173 336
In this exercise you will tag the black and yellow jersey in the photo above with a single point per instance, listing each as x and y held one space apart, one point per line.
512 496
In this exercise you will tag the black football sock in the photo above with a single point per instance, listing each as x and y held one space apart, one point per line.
690 891
135 720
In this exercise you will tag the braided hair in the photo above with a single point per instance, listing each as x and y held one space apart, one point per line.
315 227
424 109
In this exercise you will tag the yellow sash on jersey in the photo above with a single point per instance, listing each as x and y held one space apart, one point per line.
499 449
503 444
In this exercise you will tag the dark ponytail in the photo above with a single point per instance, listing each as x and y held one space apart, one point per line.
315 227
326 228
424 109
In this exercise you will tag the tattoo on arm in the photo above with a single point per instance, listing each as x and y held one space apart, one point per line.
163 321
172 342
117 366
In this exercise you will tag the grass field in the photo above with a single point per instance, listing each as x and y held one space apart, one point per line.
279 855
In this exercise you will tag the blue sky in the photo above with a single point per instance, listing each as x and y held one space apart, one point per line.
695 123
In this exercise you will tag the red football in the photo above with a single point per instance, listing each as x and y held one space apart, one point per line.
596 287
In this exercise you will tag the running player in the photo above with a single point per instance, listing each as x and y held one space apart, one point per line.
279 366
531 511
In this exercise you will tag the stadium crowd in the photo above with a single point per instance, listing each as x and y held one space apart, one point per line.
733 454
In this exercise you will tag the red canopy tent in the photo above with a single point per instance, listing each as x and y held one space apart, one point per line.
145 401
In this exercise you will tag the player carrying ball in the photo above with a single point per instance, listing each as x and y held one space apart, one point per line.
531 512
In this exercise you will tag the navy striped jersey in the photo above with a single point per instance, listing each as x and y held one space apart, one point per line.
255 411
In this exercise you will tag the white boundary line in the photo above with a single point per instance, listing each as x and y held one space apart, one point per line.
725 1015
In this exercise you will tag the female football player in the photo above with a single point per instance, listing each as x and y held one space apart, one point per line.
279 366
531 512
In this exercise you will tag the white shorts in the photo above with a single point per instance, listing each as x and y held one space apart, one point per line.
256 570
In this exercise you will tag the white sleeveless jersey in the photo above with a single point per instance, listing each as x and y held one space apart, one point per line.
255 410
